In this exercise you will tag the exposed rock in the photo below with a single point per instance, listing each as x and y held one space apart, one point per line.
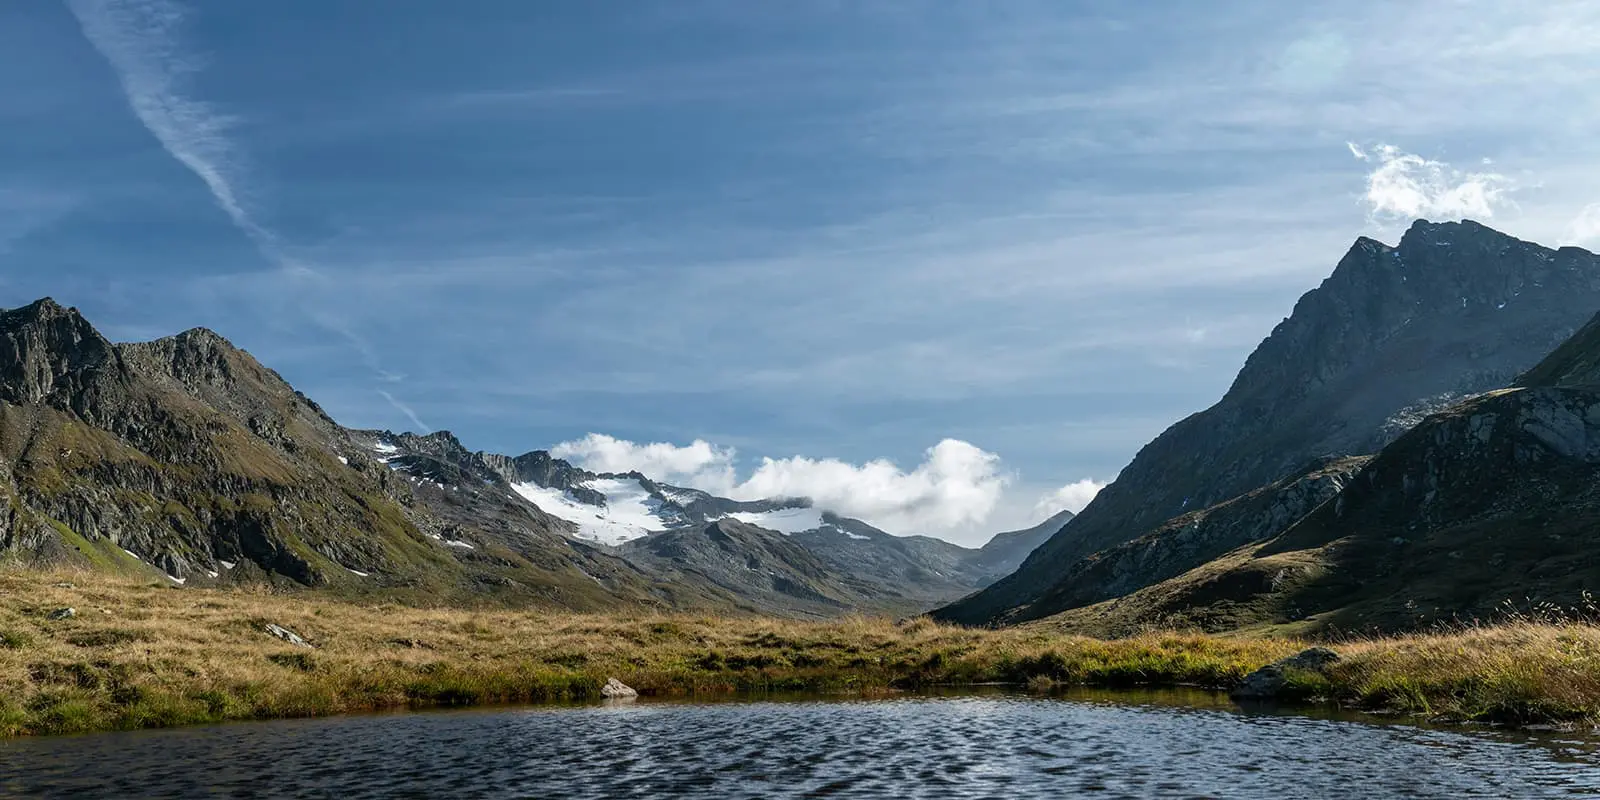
287 635
1270 681
62 613
617 689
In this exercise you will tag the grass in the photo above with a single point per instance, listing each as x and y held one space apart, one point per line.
145 654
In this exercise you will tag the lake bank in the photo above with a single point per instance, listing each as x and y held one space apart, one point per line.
142 655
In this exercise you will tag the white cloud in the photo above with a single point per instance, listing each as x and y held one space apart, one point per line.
957 484
1585 228
1408 186
1072 497
699 464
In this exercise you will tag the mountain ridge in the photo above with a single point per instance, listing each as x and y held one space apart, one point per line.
1393 333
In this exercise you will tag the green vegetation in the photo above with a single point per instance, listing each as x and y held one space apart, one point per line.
145 655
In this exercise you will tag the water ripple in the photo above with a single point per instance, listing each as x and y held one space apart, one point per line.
1006 746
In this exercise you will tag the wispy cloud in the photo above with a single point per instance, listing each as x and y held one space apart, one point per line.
142 41
406 410
1404 186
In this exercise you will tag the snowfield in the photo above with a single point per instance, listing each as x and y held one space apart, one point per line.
630 512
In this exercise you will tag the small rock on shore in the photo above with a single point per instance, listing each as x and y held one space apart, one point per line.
615 688
1268 682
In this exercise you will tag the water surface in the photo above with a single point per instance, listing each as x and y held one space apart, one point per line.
976 746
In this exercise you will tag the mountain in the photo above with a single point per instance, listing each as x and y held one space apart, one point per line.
760 570
186 458
1494 500
897 574
1004 552
1394 334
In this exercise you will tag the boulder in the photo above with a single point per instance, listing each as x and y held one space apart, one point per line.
1269 682
287 635
615 688
63 613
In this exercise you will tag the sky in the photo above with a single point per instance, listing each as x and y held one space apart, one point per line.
944 266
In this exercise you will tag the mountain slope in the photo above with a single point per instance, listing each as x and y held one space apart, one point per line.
1004 552
1494 500
760 571
1394 333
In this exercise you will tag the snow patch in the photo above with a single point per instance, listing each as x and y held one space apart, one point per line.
630 512
344 461
358 572
211 572
785 520
179 581
227 564
386 448
462 545
131 553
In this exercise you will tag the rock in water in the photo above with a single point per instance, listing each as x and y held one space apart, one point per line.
287 635
1268 682
64 613
615 688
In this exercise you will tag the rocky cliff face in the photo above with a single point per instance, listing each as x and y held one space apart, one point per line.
1395 332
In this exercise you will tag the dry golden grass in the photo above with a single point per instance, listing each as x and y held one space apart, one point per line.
143 655
1521 671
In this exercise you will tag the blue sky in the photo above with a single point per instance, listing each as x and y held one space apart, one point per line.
830 234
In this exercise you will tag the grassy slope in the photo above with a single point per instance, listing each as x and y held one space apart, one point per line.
148 655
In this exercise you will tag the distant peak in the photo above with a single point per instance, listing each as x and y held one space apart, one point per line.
44 308
1424 232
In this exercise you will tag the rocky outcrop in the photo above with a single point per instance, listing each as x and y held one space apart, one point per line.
287 635
1454 310
1275 681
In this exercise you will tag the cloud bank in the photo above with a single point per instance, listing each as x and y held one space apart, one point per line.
957 484
1405 186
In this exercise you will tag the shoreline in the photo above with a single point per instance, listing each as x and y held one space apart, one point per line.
149 656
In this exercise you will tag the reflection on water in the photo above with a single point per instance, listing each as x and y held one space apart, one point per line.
1154 744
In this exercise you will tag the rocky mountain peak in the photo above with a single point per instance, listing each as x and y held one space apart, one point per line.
47 350
1453 310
